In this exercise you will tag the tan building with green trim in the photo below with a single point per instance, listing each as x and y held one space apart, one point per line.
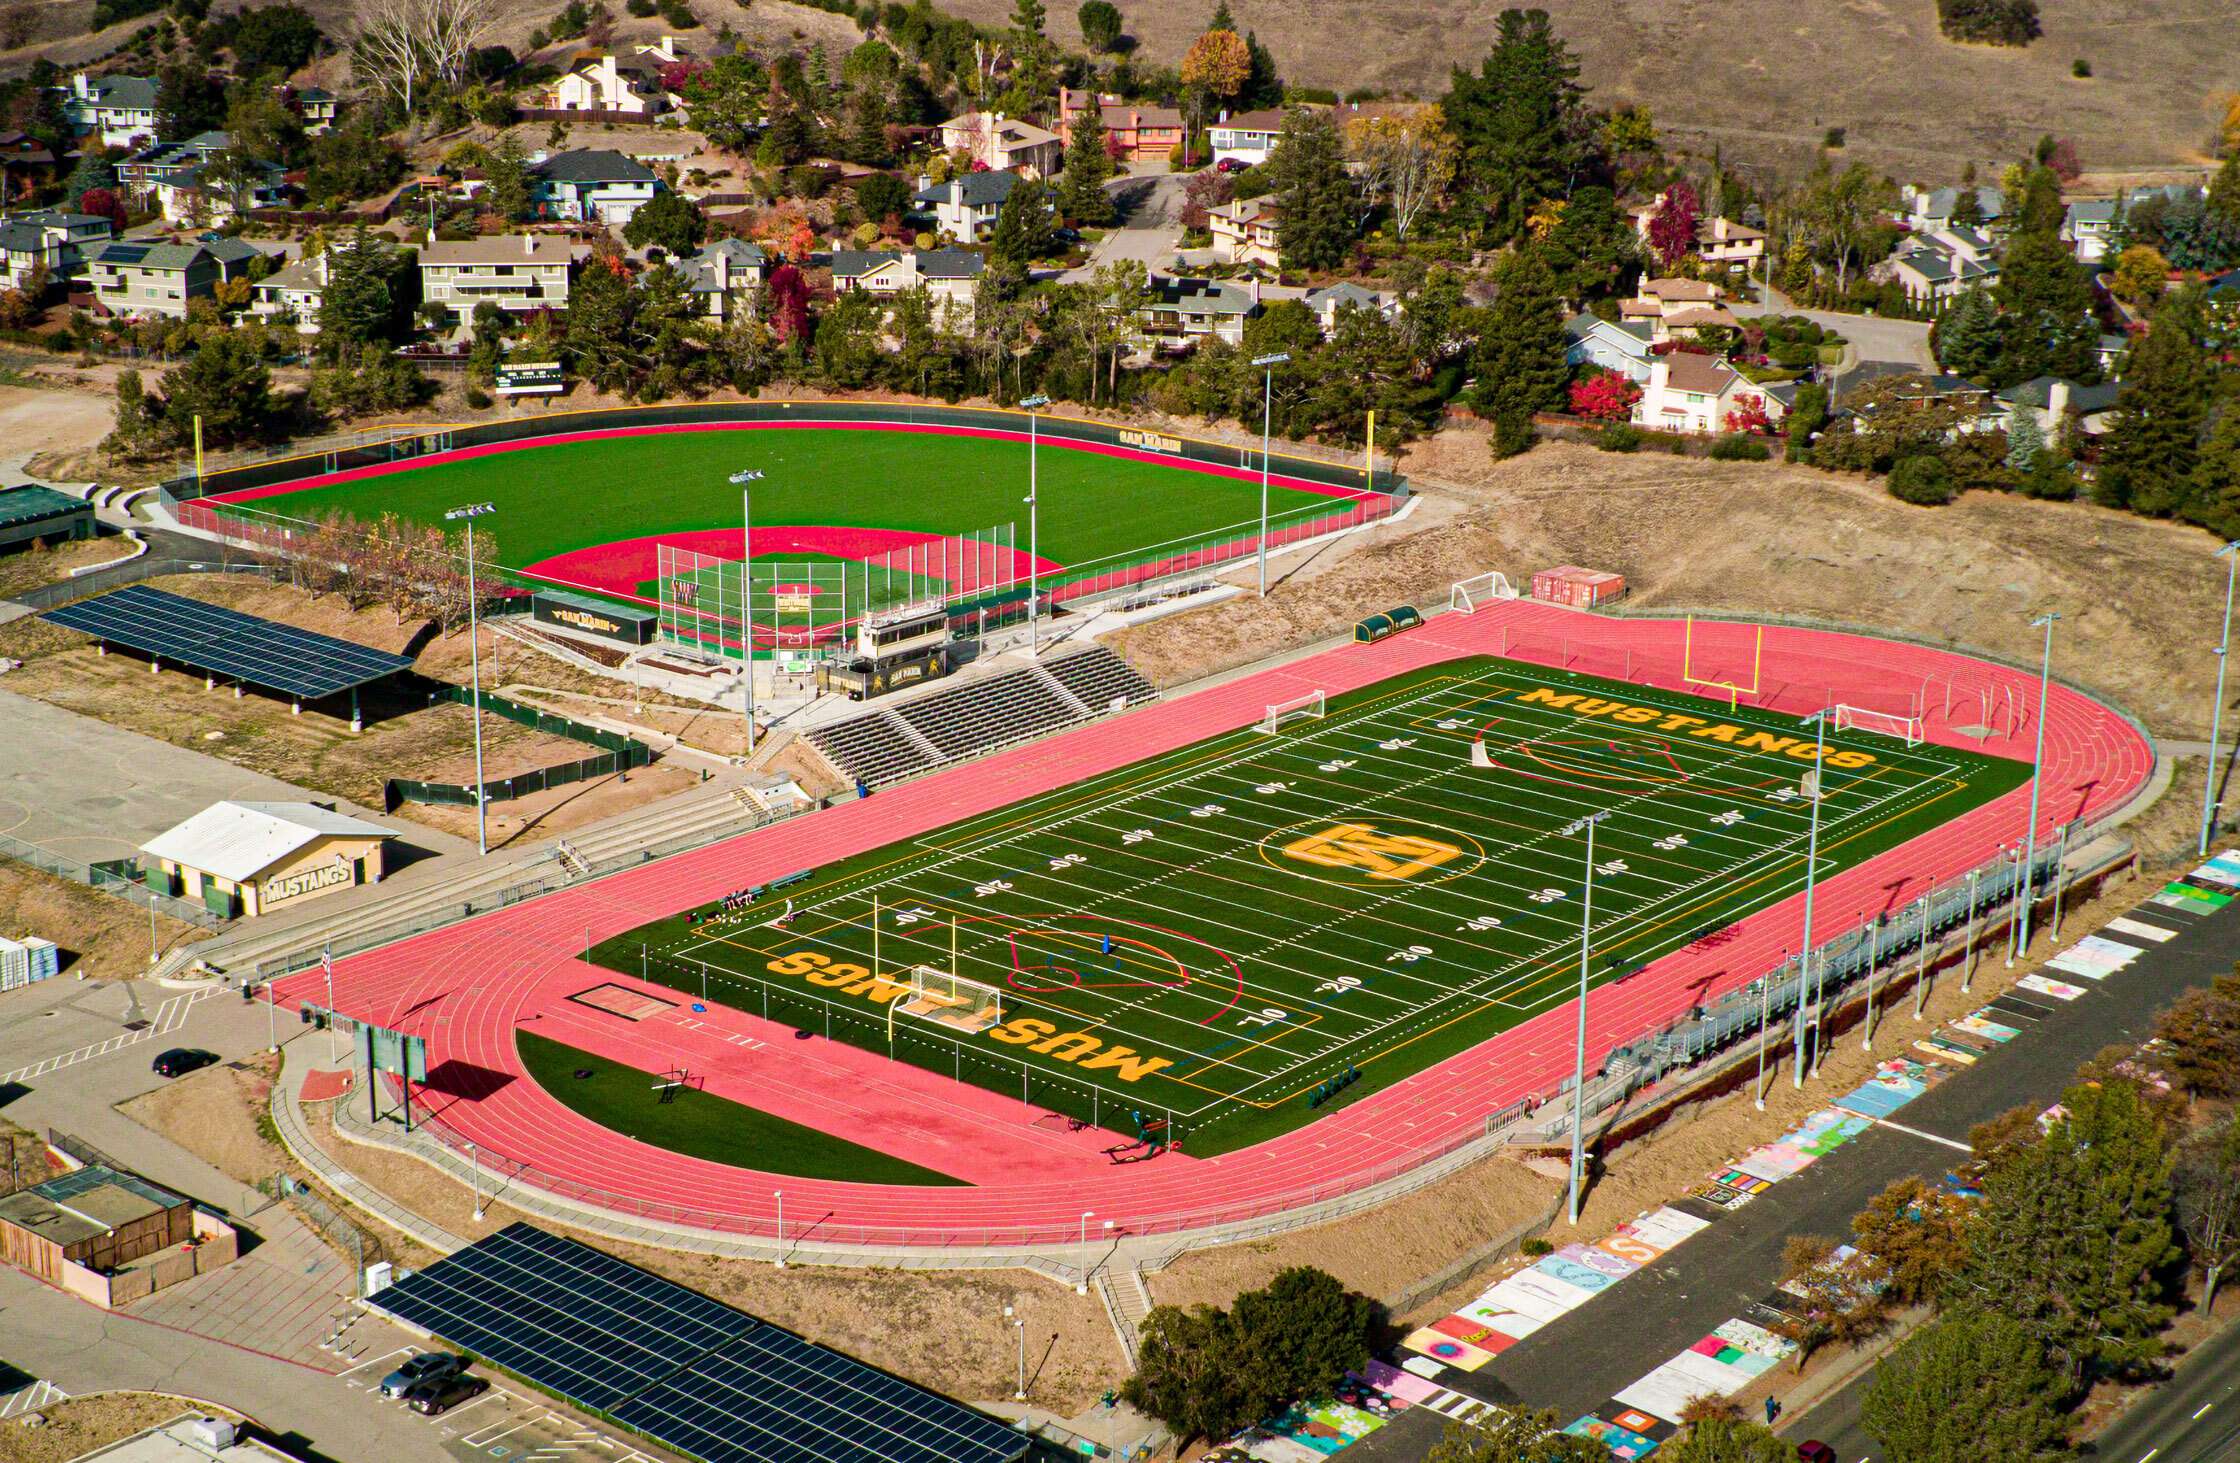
252 858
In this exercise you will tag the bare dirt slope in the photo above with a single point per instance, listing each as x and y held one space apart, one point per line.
2141 597
1767 77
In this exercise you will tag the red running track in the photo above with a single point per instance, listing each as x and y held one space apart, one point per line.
468 987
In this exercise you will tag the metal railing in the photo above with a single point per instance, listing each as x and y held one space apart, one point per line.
339 1231
132 571
105 882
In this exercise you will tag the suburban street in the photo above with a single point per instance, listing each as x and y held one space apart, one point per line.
1149 223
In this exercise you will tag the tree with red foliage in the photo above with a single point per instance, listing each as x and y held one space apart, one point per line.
101 203
682 74
1749 415
1605 396
1672 228
789 304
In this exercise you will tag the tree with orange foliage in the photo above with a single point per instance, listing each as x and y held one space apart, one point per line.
1219 63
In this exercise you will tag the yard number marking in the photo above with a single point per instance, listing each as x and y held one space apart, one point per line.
1727 819
1408 956
1545 896
1338 765
1340 984
1268 1016
1481 924
993 886
1069 861
1670 842
913 915
1395 856
1137 835
1269 789
1208 811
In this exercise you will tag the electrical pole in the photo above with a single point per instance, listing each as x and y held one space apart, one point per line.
2037 780
2216 708
746 586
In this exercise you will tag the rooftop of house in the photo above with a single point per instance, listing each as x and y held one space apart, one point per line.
1268 119
544 249
1330 297
1009 131
856 263
1701 315
126 93
1681 291
1628 335
950 264
1204 296
746 261
1939 202
140 254
984 189
592 165
2038 392
1686 371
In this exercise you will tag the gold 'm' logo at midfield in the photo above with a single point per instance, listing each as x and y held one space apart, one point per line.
1395 856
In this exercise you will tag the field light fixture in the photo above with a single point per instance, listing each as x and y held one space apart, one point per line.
1267 364
470 513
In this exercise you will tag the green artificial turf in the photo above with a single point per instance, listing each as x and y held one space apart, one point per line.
573 495
1351 895
702 1125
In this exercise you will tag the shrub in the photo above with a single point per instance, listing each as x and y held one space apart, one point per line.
1735 447
1535 1247
1620 438
2080 68
1922 479
1833 138
642 8
477 399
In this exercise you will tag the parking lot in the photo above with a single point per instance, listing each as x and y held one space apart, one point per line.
504 1424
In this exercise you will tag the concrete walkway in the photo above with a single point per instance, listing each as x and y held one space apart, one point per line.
295 1133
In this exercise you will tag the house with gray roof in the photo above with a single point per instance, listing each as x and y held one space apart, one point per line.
591 185
1931 208
50 237
1179 313
967 206
518 273
1933 274
111 111
1620 347
208 193
948 274
2053 402
141 173
134 277
725 277
1330 299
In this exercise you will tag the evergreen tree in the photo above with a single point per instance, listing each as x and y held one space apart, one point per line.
1313 192
1598 243
506 189
2075 1241
1808 415
1969 336
188 101
597 338
136 418
671 221
93 172
226 385
1518 121
2224 194
1521 366
2215 492
2153 444
1100 25
1087 168
357 306
1262 88
1975 1387
1300 1334
1025 229
1728 1440
2049 329
2024 440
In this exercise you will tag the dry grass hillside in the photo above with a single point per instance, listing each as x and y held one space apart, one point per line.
2141 597
1766 78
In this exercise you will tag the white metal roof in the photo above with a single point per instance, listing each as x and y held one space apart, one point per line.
238 841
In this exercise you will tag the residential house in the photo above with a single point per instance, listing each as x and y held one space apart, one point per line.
947 274
1912 389
1692 393
1248 137
141 173
2110 350
967 206
2054 403
1723 241
2092 226
198 196
1132 133
1619 347
1182 312
317 107
999 143
25 163
50 237
1330 299
1931 208
518 273
111 111
601 81
1934 272
133 277
724 277
1244 232
1678 307
591 185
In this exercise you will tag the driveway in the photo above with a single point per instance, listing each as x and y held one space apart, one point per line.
1150 212
1872 337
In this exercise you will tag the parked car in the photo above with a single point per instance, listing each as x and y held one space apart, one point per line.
428 1366
1231 165
443 1394
1816 1452
181 1060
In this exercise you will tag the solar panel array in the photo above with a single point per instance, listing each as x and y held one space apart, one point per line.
691 1373
586 1325
246 648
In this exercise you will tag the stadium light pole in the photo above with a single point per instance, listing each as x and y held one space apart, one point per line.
474 650
1034 538
745 479
1086 1216
1268 366
1579 1063
2216 708
1020 1324
2028 886
1811 868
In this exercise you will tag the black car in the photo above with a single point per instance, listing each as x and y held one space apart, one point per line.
443 1394
181 1060
427 1367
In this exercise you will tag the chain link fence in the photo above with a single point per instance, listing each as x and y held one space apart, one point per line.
107 881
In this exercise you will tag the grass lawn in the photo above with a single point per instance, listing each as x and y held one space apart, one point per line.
1220 935
703 1125
574 495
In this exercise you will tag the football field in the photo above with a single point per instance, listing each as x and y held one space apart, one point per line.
1244 934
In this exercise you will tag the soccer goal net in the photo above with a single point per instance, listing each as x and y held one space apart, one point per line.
1906 729
1471 595
952 1000
1298 708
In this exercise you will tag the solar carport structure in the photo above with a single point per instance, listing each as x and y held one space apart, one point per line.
685 1371
245 649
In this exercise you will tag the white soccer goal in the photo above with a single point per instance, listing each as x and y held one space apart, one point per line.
1298 708
951 999
1906 729
1472 595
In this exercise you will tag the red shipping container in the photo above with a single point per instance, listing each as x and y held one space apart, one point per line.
1569 584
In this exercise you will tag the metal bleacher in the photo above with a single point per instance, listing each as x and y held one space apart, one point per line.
970 720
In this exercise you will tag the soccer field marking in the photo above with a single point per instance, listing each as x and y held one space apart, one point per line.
1376 781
